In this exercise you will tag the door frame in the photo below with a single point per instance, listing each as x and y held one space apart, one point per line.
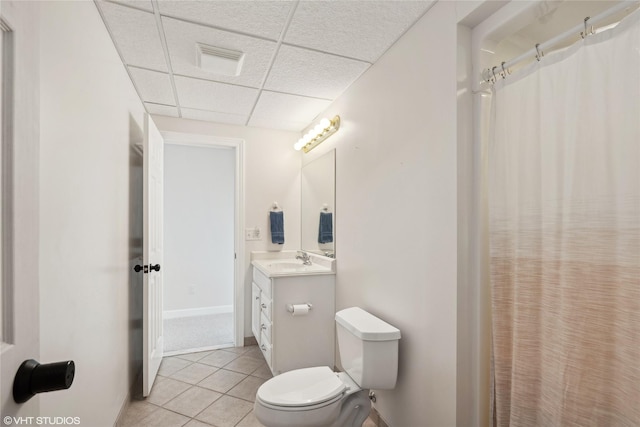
209 141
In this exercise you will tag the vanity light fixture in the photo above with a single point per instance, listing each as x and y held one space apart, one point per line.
319 133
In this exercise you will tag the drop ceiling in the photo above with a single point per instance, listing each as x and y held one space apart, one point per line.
298 55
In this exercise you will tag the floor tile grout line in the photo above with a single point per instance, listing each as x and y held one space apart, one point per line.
245 376
212 403
217 370
218 398
194 417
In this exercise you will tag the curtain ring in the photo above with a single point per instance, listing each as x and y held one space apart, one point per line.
585 33
504 72
539 53
493 71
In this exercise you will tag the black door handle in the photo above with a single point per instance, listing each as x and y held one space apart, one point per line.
33 377
138 268
154 267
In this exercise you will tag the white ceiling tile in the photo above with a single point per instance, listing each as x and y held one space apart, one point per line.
161 110
139 4
153 86
311 73
212 116
357 29
261 122
279 107
181 40
261 18
213 96
136 34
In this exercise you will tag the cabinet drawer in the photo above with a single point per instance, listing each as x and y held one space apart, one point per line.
262 281
265 347
265 327
265 304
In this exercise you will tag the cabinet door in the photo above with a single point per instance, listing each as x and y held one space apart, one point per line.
255 311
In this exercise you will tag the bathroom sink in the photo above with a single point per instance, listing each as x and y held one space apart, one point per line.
290 267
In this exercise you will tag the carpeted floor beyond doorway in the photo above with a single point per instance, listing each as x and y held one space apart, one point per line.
196 332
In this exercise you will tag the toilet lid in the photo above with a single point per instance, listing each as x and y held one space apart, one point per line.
302 387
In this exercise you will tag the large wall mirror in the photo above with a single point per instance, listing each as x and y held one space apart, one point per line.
318 205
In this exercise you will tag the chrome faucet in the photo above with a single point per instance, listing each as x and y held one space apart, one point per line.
304 257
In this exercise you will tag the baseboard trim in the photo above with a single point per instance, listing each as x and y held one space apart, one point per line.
203 311
133 390
123 410
374 416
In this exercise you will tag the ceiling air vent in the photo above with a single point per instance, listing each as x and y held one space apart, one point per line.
218 60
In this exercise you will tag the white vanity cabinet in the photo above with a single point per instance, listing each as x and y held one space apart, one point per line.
290 342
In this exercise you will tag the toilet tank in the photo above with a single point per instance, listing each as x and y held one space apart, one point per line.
368 348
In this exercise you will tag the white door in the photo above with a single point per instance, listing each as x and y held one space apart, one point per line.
19 249
152 346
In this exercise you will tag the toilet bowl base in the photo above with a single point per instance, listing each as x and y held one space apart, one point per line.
350 411
354 411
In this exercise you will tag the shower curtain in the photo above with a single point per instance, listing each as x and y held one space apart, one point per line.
564 202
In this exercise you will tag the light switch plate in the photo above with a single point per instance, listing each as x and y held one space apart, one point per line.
253 233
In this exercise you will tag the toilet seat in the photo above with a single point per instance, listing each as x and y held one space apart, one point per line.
302 389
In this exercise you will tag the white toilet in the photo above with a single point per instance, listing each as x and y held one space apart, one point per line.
319 397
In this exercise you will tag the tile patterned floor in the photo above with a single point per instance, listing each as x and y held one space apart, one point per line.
211 388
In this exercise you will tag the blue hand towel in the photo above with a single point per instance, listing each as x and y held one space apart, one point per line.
325 232
277 227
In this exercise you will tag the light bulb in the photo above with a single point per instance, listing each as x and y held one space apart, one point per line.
325 123
318 129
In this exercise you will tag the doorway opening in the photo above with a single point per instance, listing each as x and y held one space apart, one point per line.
201 222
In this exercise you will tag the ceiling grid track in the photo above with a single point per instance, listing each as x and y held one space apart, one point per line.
165 48
293 70
273 58
216 27
126 67
324 52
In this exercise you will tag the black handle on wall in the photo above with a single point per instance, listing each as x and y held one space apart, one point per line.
33 377
154 267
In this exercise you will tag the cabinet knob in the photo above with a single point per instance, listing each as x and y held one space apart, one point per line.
257 297
263 327
263 347
263 305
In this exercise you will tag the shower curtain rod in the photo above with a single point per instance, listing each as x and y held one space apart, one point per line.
538 51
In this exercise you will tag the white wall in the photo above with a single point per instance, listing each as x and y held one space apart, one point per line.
198 227
271 173
90 191
396 188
